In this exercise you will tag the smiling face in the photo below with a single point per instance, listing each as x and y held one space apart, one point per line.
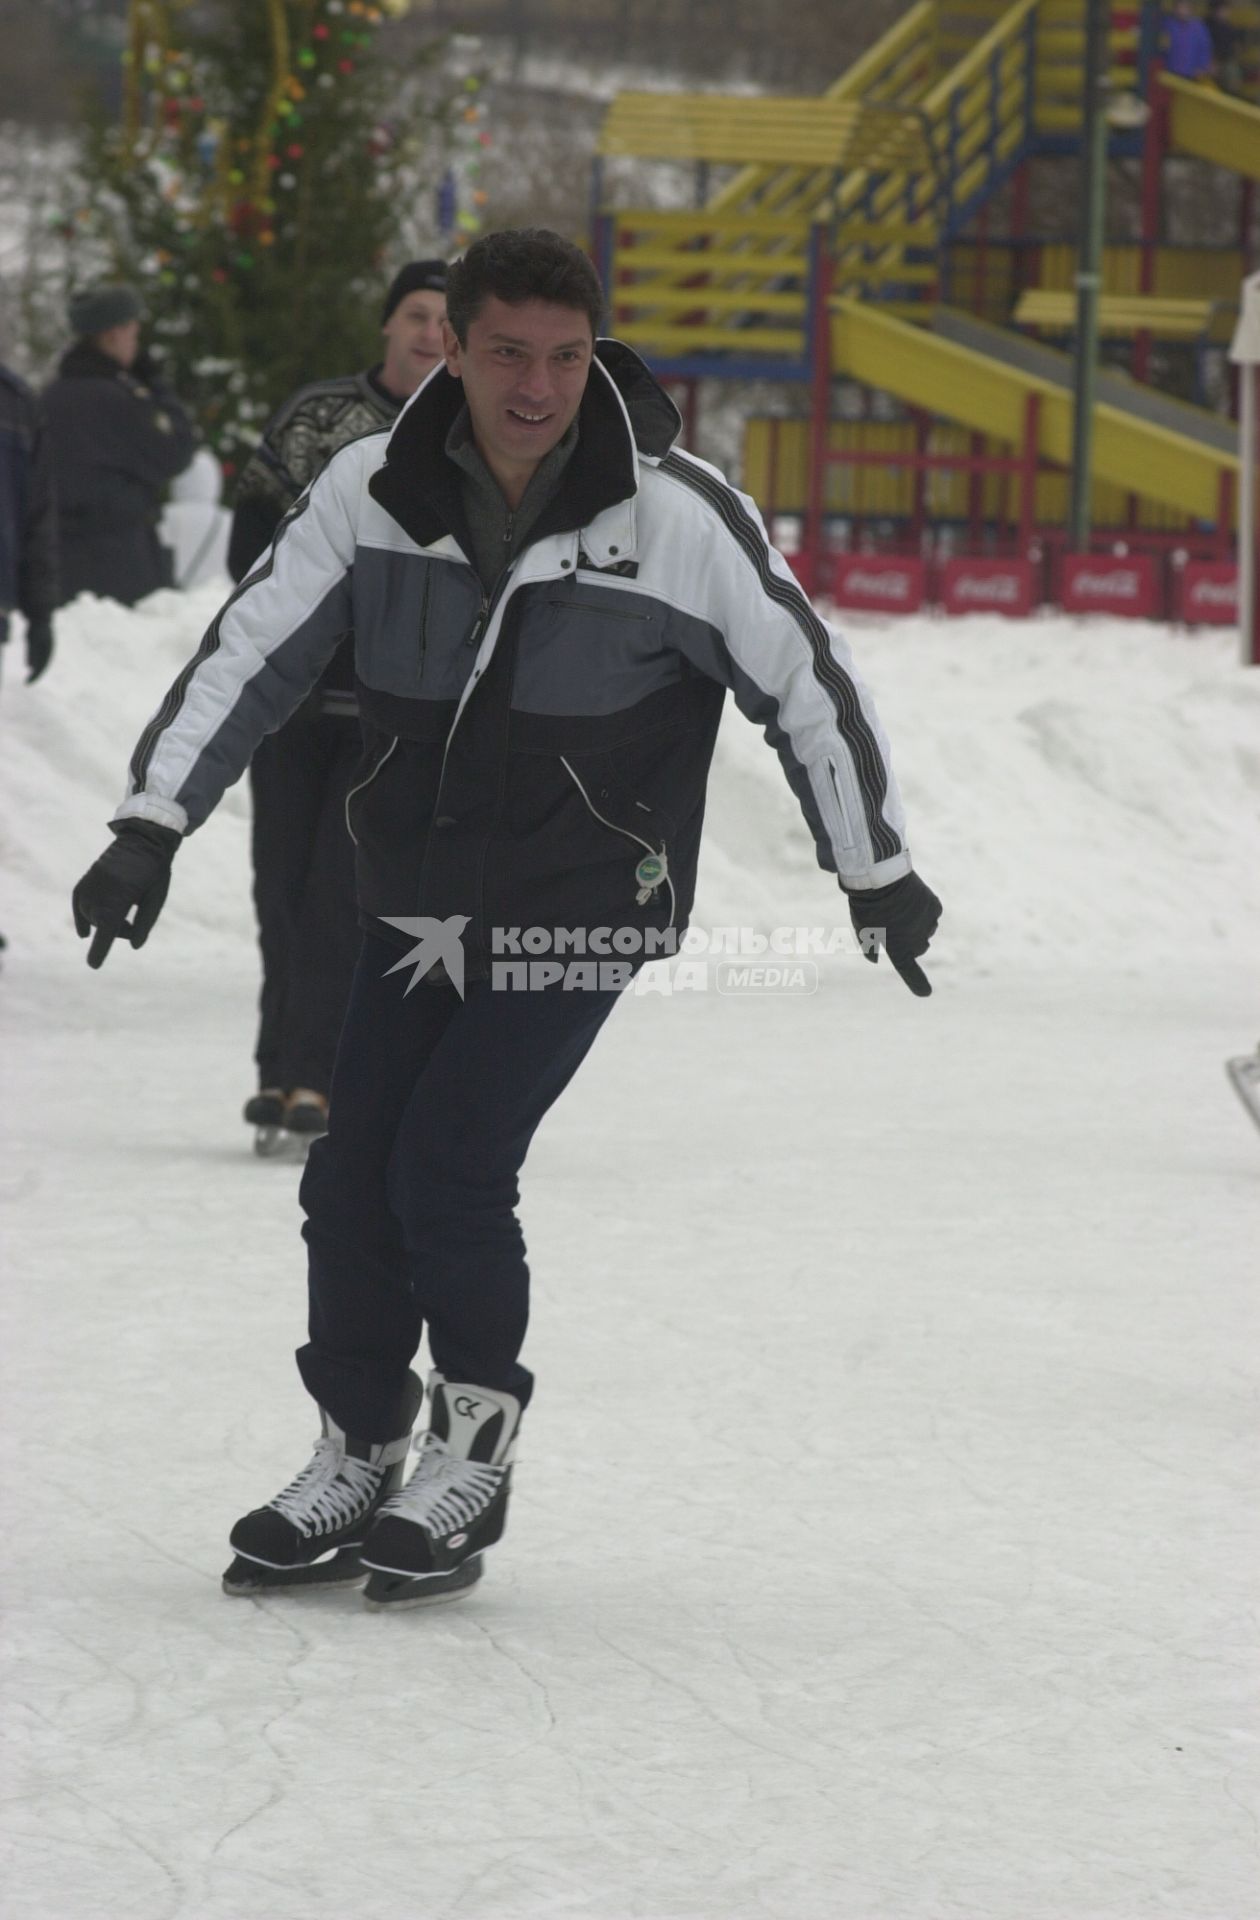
413 341
524 370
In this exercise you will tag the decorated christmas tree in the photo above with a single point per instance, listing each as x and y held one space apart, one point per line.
260 184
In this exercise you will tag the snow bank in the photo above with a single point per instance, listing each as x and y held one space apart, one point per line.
1076 792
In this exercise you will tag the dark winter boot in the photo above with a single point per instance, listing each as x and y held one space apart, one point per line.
427 1541
310 1535
265 1109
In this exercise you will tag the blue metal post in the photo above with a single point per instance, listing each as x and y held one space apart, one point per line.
1030 80
950 209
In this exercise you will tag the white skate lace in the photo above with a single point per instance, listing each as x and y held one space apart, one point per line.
332 1490
444 1492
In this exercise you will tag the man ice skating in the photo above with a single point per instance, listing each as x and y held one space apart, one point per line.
549 604
303 857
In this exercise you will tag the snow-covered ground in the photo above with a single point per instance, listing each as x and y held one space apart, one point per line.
883 1545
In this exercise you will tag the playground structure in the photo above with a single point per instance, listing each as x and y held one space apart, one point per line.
856 242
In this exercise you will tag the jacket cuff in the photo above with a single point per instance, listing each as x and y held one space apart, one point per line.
148 806
863 879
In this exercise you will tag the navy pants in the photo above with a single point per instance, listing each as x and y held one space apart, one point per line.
308 923
410 1197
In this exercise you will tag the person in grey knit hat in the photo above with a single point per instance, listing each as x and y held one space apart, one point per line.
117 435
99 310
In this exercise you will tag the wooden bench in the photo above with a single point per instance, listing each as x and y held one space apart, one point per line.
1122 314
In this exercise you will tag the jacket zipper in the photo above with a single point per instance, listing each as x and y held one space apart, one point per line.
424 622
658 854
489 601
367 783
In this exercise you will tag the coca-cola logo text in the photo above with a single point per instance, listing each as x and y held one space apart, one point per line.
884 586
1120 585
1212 593
995 589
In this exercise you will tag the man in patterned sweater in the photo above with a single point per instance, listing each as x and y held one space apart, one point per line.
303 856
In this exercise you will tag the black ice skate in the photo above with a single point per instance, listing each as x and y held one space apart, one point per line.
310 1535
427 1541
1244 1074
264 1112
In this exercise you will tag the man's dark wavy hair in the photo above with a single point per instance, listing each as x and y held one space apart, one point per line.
523 263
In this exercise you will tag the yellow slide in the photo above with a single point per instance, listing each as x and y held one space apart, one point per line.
982 376
1213 126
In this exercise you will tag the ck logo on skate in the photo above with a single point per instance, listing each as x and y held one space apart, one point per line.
436 941
466 1407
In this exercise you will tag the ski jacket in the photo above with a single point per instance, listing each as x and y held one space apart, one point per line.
536 756
296 445
28 529
116 439
1190 53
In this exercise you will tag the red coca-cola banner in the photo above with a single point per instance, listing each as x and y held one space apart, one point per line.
988 586
879 582
1125 585
1207 594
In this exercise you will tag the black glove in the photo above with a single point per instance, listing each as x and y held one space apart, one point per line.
905 914
39 646
134 872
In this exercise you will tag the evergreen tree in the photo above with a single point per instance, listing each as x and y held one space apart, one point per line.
251 189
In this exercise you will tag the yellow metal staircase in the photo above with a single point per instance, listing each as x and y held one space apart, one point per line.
891 163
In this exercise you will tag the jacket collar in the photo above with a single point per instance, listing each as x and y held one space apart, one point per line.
85 361
624 413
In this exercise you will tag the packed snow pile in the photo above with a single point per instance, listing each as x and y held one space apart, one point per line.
1076 792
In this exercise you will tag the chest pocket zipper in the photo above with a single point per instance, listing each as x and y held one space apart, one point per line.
599 611
652 870
364 784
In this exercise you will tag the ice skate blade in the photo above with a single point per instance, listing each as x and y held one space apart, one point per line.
247 1579
270 1142
1244 1074
393 1592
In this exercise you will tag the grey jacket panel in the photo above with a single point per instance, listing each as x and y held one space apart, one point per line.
411 614
593 649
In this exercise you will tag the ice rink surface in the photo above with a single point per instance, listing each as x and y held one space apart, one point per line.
883 1540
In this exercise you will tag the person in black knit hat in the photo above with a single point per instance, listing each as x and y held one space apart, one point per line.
303 855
